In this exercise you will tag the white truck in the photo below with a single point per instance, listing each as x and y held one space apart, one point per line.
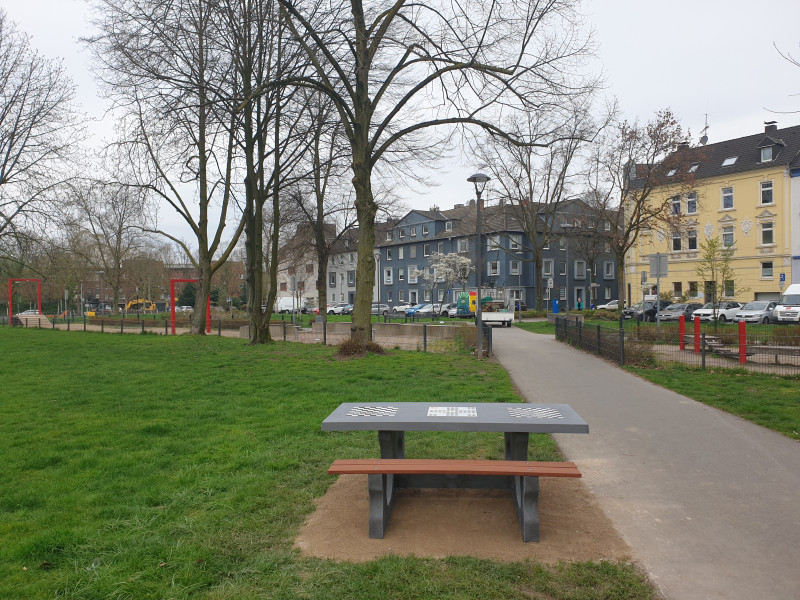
494 313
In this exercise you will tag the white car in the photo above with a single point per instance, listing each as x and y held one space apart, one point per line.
401 307
613 305
336 309
725 311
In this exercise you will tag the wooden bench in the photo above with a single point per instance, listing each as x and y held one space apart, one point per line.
519 476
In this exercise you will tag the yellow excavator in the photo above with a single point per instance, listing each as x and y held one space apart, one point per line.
140 305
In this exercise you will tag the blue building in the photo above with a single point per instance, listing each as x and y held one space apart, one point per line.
508 272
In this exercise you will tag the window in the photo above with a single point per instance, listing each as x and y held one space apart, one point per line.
547 267
727 236
608 270
727 198
412 296
401 295
310 268
691 238
448 226
413 232
729 161
301 285
401 275
493 268
388 254
426 295
439 295
389 296
766 154
402 233
291 271
766 192
426 249
607 292
515 268
671 172
387 276
388 236
691 203
412 274
607 225
424 230
440 247
546 245
412 251
283 286
693 289
400 252
677 289
562 243
766 269
333 297
728 291
607 247
492 243
580 269
352 258
332 280
351 278
676 205
514 241
562 267
562 294
767 236
693 167
676 242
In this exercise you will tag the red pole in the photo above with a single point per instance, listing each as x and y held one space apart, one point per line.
742 342
172 304
697 335
682 330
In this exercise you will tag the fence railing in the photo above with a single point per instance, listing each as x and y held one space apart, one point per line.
765 348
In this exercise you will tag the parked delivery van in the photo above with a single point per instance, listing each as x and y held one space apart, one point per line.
289 304
788 308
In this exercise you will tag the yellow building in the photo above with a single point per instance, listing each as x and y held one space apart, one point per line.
746 193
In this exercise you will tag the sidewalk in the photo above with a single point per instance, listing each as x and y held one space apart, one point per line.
709 503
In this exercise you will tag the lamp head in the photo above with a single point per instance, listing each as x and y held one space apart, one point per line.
479 180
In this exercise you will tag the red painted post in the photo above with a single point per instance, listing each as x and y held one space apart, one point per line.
172 304
742 342
697 335
682 331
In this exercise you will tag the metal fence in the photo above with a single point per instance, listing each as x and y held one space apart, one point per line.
764 348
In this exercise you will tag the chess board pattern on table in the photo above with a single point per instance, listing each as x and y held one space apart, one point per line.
534 413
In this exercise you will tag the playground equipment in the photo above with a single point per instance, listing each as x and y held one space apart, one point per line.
11 283
140 305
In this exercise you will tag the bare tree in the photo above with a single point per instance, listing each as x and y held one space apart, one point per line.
163 65
630 168
534 181
38 130
402 74
107 229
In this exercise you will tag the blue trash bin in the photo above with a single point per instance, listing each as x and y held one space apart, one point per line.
555 305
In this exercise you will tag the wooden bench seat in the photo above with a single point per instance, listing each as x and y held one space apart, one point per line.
518 476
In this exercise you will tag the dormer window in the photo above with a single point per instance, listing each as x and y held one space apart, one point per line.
693 168
402 234
671 172
424 230
448 226
388 236
413 232
729 161
766 154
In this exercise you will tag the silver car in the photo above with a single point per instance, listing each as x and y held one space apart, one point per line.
758 311
674 311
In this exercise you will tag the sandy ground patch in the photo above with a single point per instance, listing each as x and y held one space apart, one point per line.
481 523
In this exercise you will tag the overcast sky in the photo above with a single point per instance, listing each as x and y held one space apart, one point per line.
698 57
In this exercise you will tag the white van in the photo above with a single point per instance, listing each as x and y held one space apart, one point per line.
288 304
788 308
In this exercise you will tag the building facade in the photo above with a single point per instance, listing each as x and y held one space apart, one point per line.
746 194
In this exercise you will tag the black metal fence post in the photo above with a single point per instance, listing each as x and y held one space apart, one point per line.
122 325
621 346
424 337
324 332
598 340
219 327
703 351
284 328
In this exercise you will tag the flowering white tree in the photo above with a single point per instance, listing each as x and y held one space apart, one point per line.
445 269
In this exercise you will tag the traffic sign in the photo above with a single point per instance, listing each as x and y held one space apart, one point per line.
783 277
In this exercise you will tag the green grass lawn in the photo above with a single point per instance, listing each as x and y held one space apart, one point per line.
150 467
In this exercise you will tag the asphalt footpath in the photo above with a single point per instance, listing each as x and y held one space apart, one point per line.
709 502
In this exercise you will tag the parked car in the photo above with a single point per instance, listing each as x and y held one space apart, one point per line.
788 308
445 311
419 310
347 309
648 310
380 309
758 311
613 305
401 307
674 311
337 308
32 311
630 311
725 311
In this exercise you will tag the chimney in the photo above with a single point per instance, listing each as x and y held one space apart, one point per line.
770 126
472 202
458 206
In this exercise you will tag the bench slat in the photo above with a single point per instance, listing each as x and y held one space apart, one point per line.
454 467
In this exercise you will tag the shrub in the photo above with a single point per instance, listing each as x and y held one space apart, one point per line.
351 347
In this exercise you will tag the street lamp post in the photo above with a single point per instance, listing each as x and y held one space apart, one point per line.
479 180
567 227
